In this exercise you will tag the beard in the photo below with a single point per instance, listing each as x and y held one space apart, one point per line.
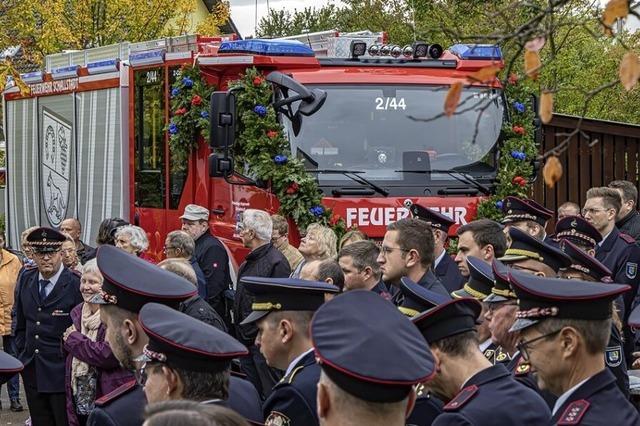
123 353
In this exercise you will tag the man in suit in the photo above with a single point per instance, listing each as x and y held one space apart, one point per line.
44 301
444 267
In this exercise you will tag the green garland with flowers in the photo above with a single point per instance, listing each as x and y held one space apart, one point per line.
517 153
264 151
190 98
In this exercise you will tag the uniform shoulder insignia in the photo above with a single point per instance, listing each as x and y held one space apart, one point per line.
523 368
103 400
276 418
613 356
574 412
461 398
489 354
628 238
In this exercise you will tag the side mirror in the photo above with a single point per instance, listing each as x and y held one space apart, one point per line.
220 166
223 120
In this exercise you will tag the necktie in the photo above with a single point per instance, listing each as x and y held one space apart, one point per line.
43 291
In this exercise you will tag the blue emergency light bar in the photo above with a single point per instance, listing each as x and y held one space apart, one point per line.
32 77
104 66
266 47
149 57
477 51
65 72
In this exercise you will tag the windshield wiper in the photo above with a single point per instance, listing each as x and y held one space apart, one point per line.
459 176
354 176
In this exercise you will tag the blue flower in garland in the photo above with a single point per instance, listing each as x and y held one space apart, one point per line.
519 106
187 82
499 204
523 156
204 114
280 159
175 92
518 155
173 128
317 211
261 110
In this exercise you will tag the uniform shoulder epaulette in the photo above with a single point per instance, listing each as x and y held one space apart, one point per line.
289 377
103 400
628 238
523 368
461 398
574 412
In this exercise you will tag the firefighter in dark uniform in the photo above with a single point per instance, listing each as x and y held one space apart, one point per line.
479 287
580 232
526 215
586 268
479 393
9 367
184 355
129 283
572 318
445 269
368 352
282 309
43 304
418 299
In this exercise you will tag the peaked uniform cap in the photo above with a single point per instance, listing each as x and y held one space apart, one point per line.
186 342
417 298
540 298
45 240
583 262
501 290
519 209
356 334
435 219
524 246
577 230
454 317
131 282
284 294
480 280
9 366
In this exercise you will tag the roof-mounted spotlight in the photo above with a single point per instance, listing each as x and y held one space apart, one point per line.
385 50
396 51
358 48
407 52
423 50
435 51
374 50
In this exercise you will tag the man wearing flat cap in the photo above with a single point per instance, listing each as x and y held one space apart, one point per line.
210 253
475 392
371 358
45 298
564 327
444 267
282 311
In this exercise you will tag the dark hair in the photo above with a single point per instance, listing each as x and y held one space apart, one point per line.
629 190
330 268
596 333
415 234
458 345
485 232
302 319
107 230
181 412
183 241
363 254
203 385
611 198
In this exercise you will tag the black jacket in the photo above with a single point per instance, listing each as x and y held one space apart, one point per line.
265 261
214 262
630 224
197 308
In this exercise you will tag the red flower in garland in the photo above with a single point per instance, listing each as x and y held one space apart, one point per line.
180 111
518 130
513 79
292 189
519 180
334 219
257 81
272 134
196 100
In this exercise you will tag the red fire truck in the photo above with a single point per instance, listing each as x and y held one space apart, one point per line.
89 139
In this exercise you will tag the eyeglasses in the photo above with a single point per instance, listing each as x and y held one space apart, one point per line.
497 305
68 251
523 345
384 250
586 211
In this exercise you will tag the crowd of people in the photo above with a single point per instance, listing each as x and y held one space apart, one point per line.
508 325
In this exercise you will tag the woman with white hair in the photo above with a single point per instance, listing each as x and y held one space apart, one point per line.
264 260
319 243
133 239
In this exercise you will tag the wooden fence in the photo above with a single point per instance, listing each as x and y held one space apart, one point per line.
610 152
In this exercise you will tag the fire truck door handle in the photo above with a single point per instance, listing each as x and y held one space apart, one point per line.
219 211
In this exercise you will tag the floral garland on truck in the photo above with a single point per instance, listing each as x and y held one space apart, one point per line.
264 151
517 152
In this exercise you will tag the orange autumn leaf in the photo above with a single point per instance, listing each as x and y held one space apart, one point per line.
629 70
552 171
532 64
545 110
453 99
485 74
614 10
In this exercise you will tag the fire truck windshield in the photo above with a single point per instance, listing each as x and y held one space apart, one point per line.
383 131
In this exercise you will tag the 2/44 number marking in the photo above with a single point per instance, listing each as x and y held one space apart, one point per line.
387 103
